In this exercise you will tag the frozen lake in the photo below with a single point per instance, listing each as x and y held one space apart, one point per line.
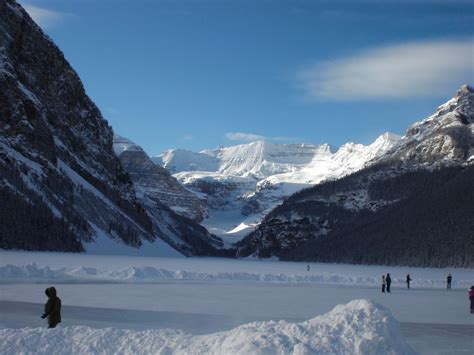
433 319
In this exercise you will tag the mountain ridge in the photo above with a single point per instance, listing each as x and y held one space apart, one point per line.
241 183
411 206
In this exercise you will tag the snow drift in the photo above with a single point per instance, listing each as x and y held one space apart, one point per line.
360 327
143 274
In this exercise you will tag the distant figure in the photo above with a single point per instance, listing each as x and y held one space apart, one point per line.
383 283
52 308
471 298
408 280
388 279
308 267
449 280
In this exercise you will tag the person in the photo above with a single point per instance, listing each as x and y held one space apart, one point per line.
408 280
52 308
308 267
388 279
383 283
449 280
471 298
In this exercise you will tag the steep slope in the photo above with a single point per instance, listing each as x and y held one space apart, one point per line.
56 149
61 185
155 182
242 183
161 194
413 206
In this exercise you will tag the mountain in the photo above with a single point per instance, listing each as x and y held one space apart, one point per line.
411 206
173 209
242 183
61 186
152 182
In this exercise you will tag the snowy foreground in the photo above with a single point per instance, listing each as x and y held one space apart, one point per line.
119 304
360 327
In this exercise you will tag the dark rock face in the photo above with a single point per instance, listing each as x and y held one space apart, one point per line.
60 181
55 145
412 207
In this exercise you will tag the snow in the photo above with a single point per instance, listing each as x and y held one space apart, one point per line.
34 273
80 181
262 173
242 228
176 160
122 144
197 302
20 158
57 267
360 327
105 245
222 223
429 134
32 97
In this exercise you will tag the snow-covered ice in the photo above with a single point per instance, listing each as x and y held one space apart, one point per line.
202 301
61 267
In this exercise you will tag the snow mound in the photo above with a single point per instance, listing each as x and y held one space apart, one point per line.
149 274
359 327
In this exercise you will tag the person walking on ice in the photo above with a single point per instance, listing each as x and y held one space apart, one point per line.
408 280
383 283
52 308
471 298
388 279
448 281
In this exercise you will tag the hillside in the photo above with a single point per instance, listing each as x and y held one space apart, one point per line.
413 206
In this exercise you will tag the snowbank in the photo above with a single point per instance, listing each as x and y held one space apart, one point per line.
360 327
32 272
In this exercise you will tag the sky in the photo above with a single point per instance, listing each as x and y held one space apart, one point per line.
197 74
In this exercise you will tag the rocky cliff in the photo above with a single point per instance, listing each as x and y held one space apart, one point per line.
61 185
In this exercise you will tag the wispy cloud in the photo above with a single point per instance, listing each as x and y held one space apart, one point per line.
416 69
244 137
187 137
44 17
252 137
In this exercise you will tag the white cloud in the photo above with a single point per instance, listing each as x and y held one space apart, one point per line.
43 17
251 137
416 69
187 137
245 137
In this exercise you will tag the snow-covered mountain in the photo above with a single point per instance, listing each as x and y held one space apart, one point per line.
152 182
444 138
61 186
412 205
244 182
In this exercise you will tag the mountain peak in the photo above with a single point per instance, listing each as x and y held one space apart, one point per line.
122 144
464 90
388 136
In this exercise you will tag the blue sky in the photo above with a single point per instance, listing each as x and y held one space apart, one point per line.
201 74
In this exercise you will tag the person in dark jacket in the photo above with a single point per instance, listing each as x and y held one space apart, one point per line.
52 308
408 280
471 298
448 281
388 280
